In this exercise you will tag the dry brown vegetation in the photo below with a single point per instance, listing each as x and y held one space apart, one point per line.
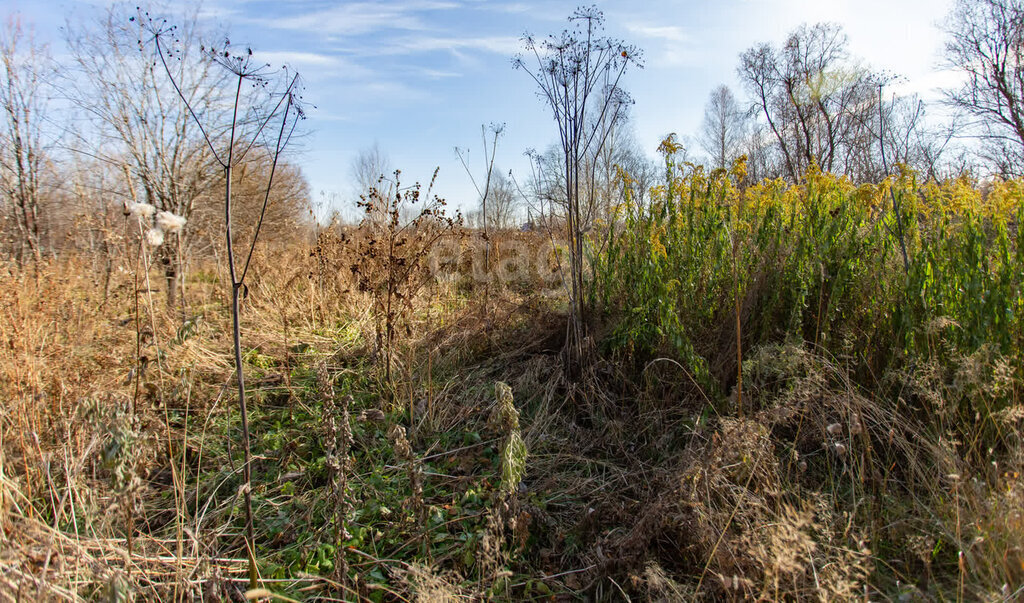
121 470
716 386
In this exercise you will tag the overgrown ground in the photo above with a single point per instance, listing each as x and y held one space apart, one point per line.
863 443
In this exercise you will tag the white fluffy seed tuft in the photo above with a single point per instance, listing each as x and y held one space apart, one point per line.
155 237
169 223
141 210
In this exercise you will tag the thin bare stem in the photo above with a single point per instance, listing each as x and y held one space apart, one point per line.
892 194
239 67
195 118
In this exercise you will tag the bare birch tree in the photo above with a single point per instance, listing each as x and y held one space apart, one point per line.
986 43
22 146
368 170
723 130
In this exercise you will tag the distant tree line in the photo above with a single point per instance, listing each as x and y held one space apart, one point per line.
809 102
82 138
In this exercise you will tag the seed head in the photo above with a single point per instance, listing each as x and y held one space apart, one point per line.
155 237
141 210
169 223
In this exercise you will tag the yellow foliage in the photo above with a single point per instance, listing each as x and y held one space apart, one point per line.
997 200
739 168
657 248
670 146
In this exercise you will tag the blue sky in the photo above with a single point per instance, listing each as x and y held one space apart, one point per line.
419 77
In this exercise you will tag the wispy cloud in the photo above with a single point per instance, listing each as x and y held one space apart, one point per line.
510 8
929 85
420 44
317 66
668 33
365 99
497 44
297 59
437 74
358 18
217 13
392 91
670 45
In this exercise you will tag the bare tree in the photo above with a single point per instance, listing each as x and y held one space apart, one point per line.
986 43
763 157
502 207
545 196
287 212
598 176
903 136
723 130
368 168
503 202
578 74
22 147
641 169
131 125
619 151
484 193
817 102
545 189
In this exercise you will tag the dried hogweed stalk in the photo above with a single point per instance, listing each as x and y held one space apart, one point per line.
513 451
505 513
337 444
403 450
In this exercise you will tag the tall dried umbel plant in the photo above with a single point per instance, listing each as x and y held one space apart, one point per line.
484 193
578 75
272 104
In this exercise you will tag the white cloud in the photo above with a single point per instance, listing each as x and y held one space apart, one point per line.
316 66
497 44
669 45
296 58
670 33
355 18
411 45
436 74
929 85
511 8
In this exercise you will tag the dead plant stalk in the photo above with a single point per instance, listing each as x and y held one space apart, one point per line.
245 72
